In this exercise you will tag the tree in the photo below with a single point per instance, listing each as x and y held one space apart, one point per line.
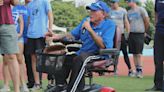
149 6
67 15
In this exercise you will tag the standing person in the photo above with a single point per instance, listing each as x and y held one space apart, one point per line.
30 76
18 19
8 40
40 13
96 32
158 46
119 15
139 24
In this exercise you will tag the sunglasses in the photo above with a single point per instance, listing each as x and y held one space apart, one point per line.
112 2
128 1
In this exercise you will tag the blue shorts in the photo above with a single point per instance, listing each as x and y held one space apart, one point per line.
21 40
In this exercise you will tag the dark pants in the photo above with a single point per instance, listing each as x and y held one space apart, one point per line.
158 59
27 57
124 51
34 44
163 77
72 63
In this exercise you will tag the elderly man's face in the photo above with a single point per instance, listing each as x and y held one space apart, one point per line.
96 16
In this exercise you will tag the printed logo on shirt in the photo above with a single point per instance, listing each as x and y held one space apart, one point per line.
99 33
35 12
15 16
117 15
134 16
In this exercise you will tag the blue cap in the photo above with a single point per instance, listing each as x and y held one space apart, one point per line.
100 5
115 0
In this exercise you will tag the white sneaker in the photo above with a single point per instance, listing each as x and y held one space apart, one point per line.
24 88
139 74
35 87
5 89
131 73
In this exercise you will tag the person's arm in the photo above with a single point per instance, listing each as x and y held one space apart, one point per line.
98 40
1 2
146 23
14 2
50 18
48 10
145 18
21 23
126 22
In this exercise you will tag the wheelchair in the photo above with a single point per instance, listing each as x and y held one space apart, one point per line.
100 66
92 64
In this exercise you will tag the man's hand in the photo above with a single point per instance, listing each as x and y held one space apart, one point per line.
87 26
50 30
52 36
19 35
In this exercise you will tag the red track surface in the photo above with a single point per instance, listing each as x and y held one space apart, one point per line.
148 66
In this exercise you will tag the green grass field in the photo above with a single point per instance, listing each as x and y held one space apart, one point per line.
121 84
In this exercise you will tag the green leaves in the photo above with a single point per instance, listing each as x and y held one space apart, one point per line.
67 15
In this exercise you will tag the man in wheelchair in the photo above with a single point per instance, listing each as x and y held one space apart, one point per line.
96 32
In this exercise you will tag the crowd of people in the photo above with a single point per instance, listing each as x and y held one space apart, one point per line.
24 28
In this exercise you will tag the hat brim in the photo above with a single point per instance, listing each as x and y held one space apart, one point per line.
92 8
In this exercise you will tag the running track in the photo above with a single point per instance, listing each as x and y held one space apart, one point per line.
148 66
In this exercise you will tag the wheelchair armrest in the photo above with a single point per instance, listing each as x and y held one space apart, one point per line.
113 51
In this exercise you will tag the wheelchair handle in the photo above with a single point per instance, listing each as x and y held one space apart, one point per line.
109 51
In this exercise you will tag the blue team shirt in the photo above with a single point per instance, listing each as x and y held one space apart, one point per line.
16 12
106 30
159 8
38 13
25 18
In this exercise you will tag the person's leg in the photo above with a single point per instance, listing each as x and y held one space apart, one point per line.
6 76
158 59
36 74
50 78
21 61
77 64
14 70
137 53
125 53
9 47
28 62
39 44
138 64
62 74
163 77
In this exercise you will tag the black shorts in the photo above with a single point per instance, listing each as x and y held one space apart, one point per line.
136 43
34 44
